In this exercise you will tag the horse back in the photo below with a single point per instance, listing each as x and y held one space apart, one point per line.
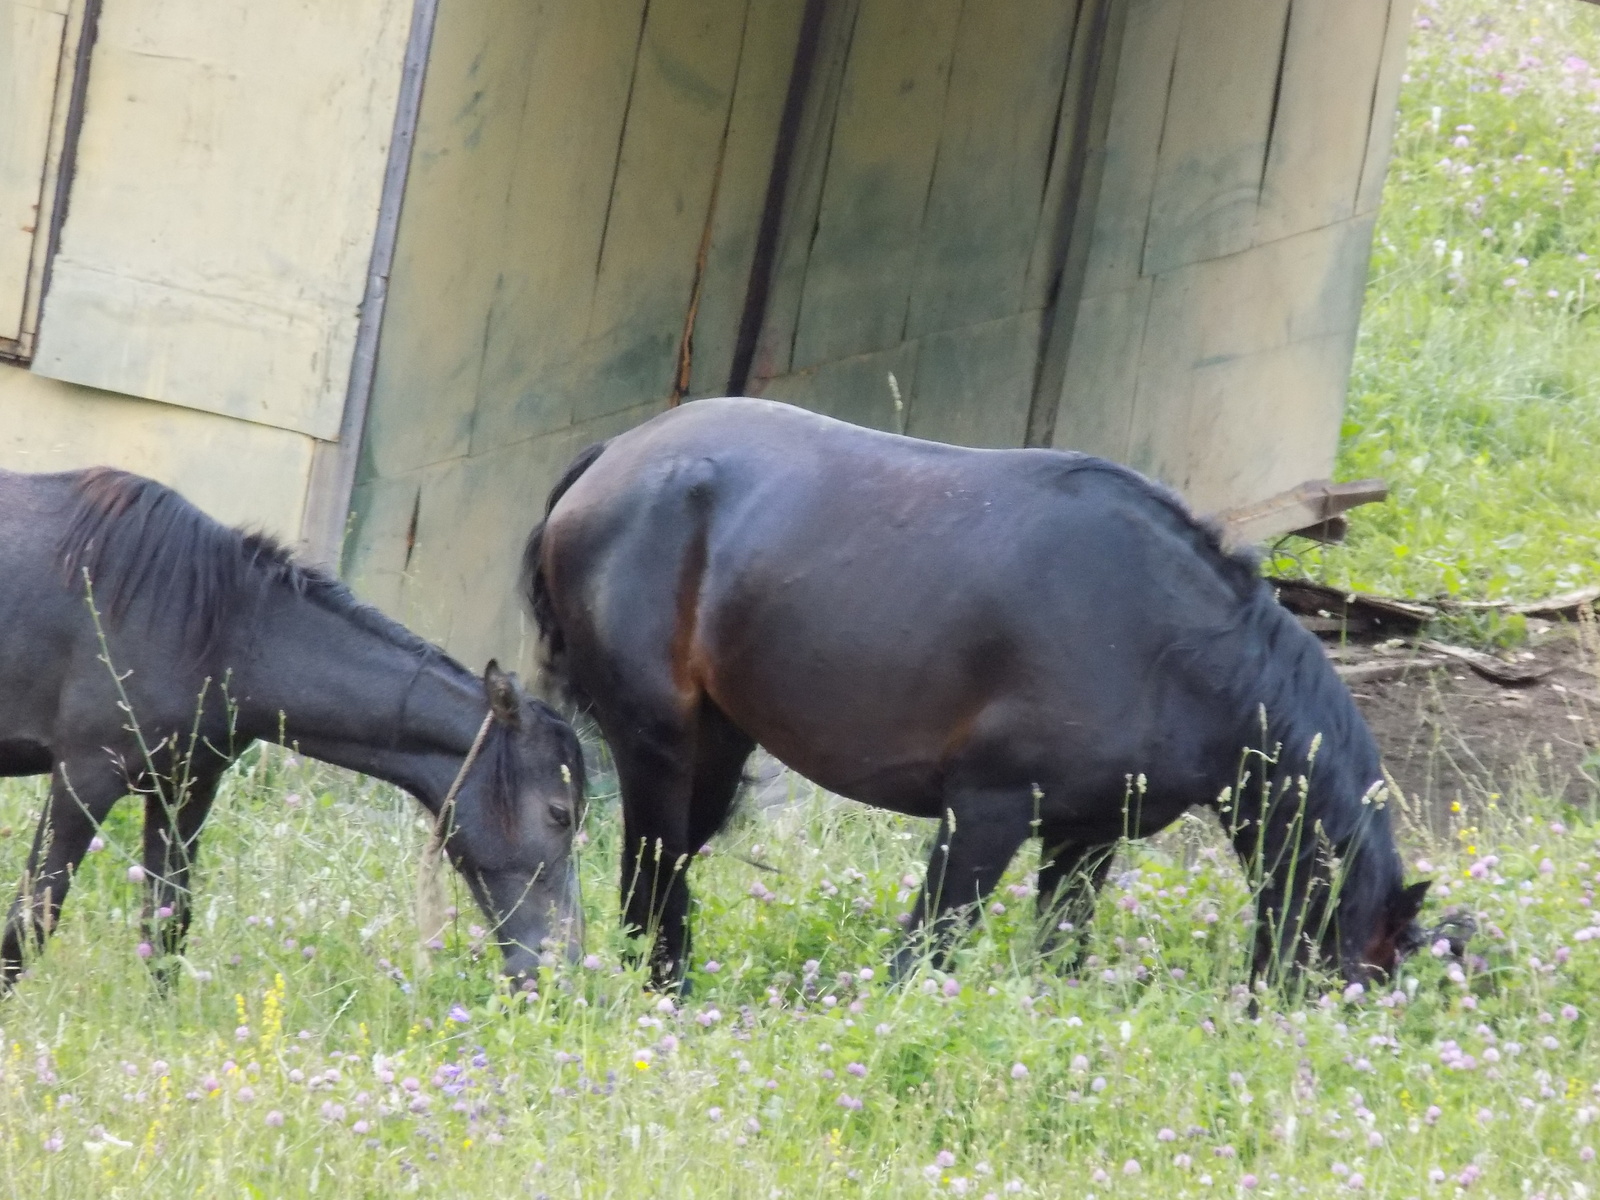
879 611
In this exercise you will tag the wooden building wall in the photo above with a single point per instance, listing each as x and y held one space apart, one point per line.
1136 227
224 161
1227 239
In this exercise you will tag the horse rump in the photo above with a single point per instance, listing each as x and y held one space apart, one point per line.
536 589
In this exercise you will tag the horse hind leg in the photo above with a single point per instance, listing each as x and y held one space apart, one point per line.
1070 877
79 802
977 838
676 793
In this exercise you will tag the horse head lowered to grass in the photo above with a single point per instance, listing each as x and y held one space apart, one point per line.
1011 642
143 647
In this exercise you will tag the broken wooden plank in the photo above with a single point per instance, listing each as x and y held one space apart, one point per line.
1382 672
1358 614
1309 509
1497 670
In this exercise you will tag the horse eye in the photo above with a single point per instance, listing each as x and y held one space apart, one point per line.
560 814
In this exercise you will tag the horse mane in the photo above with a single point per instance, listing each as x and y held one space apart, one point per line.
135 537
1240 569
1285 672
1261 657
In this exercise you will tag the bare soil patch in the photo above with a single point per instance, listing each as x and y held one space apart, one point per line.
1449 735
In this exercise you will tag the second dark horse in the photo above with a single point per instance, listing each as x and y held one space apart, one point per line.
1008 641
217 639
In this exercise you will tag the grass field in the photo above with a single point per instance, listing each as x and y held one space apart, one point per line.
306 1050
1476 390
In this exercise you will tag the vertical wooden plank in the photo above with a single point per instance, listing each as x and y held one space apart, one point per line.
1319 139
1304 288
1102 374
1385 102
974 383
993 157
449 252
858 280
770 40
1062 245
672 148
224 203
570 130
1213 145
855 389
774 350
1133 139
30 54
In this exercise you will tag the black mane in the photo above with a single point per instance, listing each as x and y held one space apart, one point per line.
133 535
1241 568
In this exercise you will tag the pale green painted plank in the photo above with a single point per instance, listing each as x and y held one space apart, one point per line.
763 86
855 389
1095 414
1319 138
859 276
575 93
994 152
775 346
1133 138
451 244
1214 140
974 384
682 93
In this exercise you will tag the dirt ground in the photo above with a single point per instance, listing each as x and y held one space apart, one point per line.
1449 734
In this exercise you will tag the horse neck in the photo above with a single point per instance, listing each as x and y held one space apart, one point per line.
346 694
1320 736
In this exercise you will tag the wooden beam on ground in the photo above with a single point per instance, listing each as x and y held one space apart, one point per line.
1314 509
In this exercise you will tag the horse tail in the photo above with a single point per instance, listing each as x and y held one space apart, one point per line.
536 587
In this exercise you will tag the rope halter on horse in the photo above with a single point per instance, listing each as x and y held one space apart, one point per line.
431 918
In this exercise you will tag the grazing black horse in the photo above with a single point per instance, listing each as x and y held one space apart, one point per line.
1010 641
218 638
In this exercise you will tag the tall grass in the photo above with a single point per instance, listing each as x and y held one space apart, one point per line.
307 1050
1476 389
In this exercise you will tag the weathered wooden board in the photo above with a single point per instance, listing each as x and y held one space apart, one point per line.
1324 114
450 246
566 157
1102 376
774 352
1385 99
1214 140
855 389
993 160
770 42
30 55
886 133
974 383
240 473
1133 140
1257 424
1232 323
672 146
440 547
215 253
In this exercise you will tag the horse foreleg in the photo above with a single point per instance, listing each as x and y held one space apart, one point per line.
655 854
977 837
171 840
1070 878
79 801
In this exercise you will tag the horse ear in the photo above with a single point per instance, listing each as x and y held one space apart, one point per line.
1409 904
502 692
